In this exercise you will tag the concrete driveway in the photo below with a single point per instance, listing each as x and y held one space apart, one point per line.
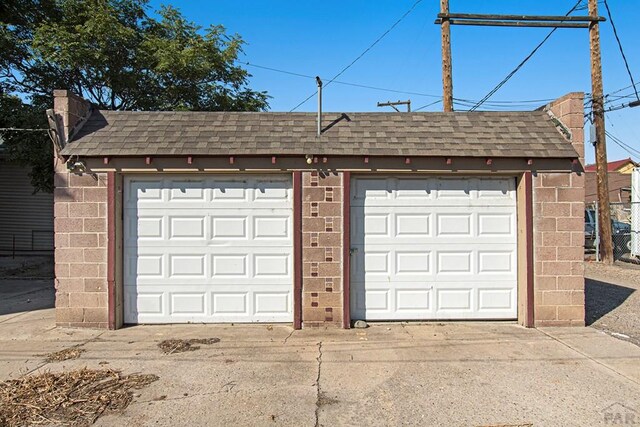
467 374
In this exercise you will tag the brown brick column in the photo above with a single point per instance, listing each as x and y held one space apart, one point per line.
321 248
558 225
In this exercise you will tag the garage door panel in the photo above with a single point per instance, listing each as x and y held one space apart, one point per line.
186 227
457 300
453 225
227 266
271 227
208 249
378 302
455 188
188 303
258 269
144 303
441 300
408 263
271 265
496 262
271 303
229 227
413 300
187 265
391 225
496 224
230 303
187 191
141 191
496 299
454 262
496 188
412 225
444 248
412 262
145 228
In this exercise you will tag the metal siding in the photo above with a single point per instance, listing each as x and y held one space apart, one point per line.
27 216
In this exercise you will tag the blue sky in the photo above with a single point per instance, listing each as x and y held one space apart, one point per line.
321 38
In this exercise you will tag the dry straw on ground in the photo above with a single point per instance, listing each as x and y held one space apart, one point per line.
75 398
66 354
180 346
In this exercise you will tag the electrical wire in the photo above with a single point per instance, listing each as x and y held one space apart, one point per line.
427 105
624 57
404 92
362 54
524 61
622 144
624 88
496 103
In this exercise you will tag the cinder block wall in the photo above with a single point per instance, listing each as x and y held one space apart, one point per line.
69 108
321 248
80 227
558 226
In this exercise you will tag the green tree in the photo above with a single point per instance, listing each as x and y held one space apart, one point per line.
116 55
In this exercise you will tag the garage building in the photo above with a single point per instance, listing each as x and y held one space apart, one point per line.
229 217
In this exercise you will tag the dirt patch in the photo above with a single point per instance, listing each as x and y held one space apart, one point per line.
180 346
66 354
76 398
324 400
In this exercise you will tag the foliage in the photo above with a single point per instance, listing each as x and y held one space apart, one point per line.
117 55
31 149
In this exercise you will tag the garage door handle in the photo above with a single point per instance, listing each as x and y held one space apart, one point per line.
352 251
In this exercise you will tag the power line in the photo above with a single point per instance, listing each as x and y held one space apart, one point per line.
527 101
622 144
429 95
362 54
515 70
624 58
624 88
496 103
427 105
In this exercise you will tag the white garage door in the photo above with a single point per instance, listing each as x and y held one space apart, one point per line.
207 249
433 248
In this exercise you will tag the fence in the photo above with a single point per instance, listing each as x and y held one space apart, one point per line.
625 234
26 242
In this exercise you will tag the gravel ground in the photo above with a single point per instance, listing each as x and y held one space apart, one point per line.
613 299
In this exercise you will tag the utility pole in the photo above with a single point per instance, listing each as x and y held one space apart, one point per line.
447 79
604 211
446 19
393 105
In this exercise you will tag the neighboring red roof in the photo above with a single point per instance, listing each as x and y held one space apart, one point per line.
612 166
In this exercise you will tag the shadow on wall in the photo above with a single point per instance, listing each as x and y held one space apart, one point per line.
601 298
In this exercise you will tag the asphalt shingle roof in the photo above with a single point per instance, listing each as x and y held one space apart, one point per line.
470 134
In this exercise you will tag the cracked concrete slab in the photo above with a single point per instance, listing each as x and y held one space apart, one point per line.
467 373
